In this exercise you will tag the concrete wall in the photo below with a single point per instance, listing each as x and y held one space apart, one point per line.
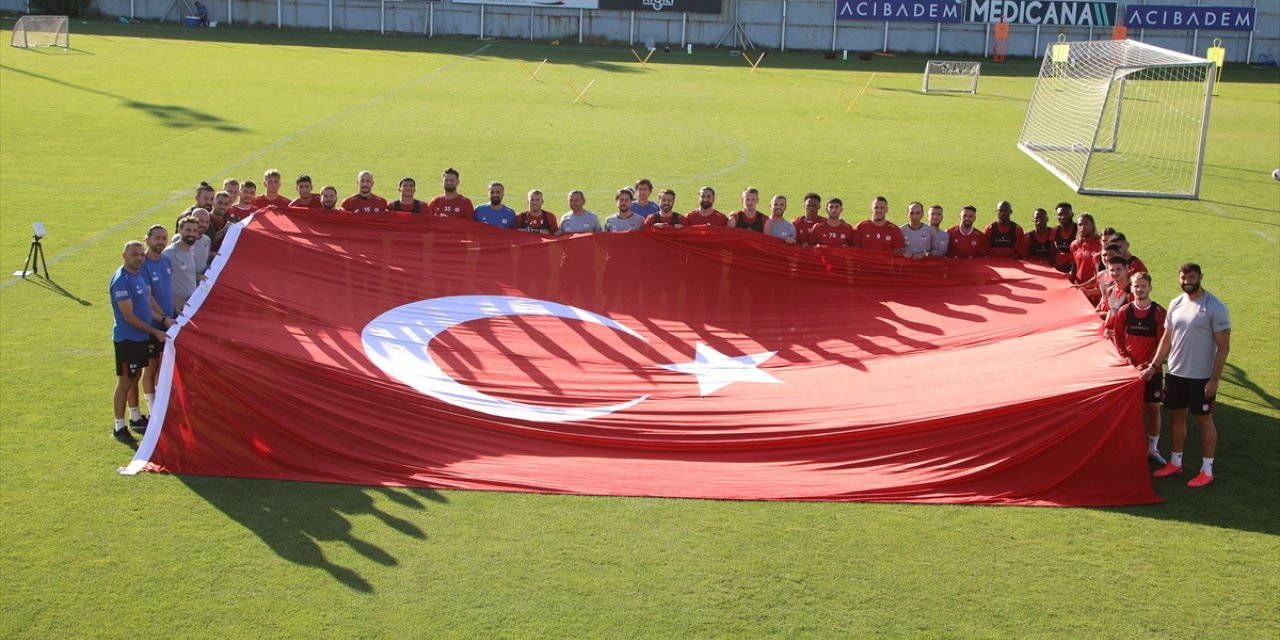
809 24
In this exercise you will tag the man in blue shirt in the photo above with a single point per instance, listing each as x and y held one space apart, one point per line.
131 304
495 213
158 271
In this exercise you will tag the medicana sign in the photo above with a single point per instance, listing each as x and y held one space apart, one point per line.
1047 12
1171 17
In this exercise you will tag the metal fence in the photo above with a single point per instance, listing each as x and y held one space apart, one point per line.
772 24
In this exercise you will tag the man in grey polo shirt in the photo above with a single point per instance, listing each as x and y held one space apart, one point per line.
578 219
183 261
625 219
1197 339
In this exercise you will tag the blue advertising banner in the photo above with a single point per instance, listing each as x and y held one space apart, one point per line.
1074 13
901 10
1173 17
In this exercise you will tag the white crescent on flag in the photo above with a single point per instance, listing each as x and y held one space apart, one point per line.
399 342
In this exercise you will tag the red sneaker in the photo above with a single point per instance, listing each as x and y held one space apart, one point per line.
1200 480
1167 470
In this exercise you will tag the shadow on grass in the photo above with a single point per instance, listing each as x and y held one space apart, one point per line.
295 518
1246 473
46 283
170 115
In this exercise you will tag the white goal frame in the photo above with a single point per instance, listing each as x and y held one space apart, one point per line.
951 69
53 31
1120 118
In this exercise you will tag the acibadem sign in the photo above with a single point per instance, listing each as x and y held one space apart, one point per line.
1078 13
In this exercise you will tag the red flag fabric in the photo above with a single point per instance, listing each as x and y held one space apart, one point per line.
698 362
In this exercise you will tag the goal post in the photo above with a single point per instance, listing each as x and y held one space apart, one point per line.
41 31
1120 118
951 76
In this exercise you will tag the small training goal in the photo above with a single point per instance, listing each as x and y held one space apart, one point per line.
1120 117
951 76
41 31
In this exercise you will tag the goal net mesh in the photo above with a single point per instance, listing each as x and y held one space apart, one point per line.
1120 118
40 31
951 76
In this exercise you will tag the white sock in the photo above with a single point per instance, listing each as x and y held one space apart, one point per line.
119 423
135 413
1207 467
1176 459
1153 442
151 401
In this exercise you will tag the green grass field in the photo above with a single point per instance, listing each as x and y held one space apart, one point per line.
101 141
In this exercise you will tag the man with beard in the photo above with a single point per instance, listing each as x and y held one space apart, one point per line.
204 200
272 198
620 257
1063 235
625 219
183 262
132 308
220 218
1137 329
1197 339
777 225
666 217
878 233
329 198
916 235
365 201
306 199
1038 246
748 217
964 240
202 250
812 216
157 270
495 213
452 204
940 238
706 213
1003 235
408 187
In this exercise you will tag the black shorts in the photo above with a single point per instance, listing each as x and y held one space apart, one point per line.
156 347
1154 390
1187 393
131 357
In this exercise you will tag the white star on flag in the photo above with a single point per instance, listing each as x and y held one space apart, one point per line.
716 371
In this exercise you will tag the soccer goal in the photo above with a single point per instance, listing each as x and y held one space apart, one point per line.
41 31
951 76
1120 117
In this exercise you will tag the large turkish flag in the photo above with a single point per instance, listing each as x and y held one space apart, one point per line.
700 362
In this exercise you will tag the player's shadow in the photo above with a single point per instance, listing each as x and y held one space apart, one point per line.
170 115
1245 476
297 520
46 283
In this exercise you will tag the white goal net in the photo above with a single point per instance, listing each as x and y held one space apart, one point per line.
1120 118
951 76
41 31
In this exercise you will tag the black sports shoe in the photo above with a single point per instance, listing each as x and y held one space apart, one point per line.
139 425
124 436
